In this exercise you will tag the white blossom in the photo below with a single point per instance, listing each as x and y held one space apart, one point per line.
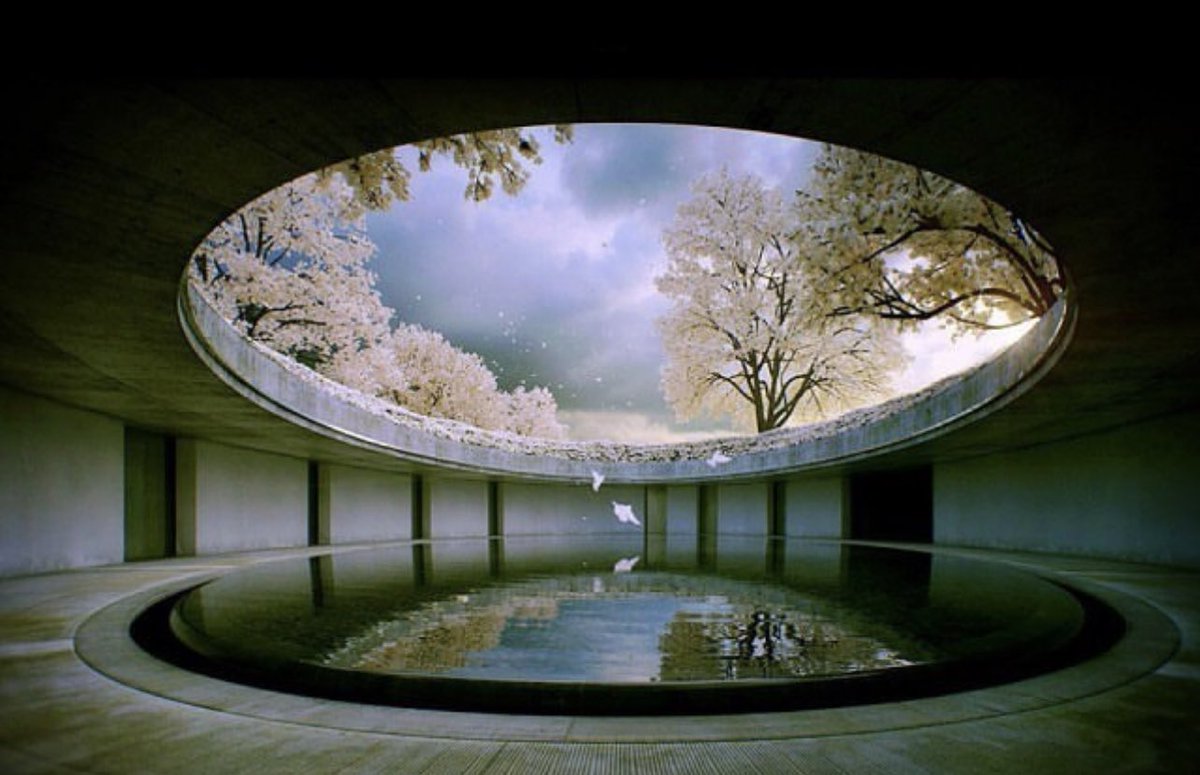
908 245
290 270
746 335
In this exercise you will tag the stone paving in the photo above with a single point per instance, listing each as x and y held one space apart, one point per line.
77 696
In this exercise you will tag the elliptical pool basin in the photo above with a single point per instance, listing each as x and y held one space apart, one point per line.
626 625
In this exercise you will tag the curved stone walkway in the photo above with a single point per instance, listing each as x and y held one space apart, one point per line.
77 696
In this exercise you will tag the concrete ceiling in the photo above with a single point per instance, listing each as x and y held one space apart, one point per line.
108 186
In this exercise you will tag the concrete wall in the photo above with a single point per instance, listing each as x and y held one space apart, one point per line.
682 502
1129 493
230 499
362 505
457 508
549 509
814 508
61 486
743 509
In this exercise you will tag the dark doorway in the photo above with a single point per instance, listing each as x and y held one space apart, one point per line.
149 495
892 505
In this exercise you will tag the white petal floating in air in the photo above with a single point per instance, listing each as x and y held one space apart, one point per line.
624 513
625 565
597 480
718 458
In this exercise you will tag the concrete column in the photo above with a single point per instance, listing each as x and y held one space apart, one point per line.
656 510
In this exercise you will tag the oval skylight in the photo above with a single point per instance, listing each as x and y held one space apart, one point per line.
574 298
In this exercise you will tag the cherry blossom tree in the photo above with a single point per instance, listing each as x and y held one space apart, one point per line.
532 412
908 245
746 336
290 269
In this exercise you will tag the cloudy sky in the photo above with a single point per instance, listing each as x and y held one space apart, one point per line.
555 286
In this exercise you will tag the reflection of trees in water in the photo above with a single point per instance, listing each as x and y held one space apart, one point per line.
723 629
441 639
753 643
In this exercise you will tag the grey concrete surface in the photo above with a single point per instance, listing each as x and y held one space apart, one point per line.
76 695
814 508
233 499
1126 493
293 395
61 486
549 509
149 495
1091 163
742 508
1097 457
682 514
363 505
457 508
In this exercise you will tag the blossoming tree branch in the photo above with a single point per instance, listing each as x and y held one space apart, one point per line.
290 269
790 309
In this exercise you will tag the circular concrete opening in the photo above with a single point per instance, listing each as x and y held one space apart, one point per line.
285 371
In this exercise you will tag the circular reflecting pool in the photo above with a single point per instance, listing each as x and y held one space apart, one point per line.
692 624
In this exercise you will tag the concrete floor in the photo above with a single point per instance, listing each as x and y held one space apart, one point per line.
77 696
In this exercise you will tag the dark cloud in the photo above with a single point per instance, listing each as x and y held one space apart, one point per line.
624 167
620 168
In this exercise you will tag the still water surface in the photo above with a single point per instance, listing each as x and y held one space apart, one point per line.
622 610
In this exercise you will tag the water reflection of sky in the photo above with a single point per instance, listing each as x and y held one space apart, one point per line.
568 647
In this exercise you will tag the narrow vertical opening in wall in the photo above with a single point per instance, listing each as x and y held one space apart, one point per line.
420 508
777 509
496 557
320 578
706 525
895 505
314 503
149 495
495 510
172 511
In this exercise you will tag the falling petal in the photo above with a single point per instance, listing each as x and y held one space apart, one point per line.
717 459
624 513
597 480
626 565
